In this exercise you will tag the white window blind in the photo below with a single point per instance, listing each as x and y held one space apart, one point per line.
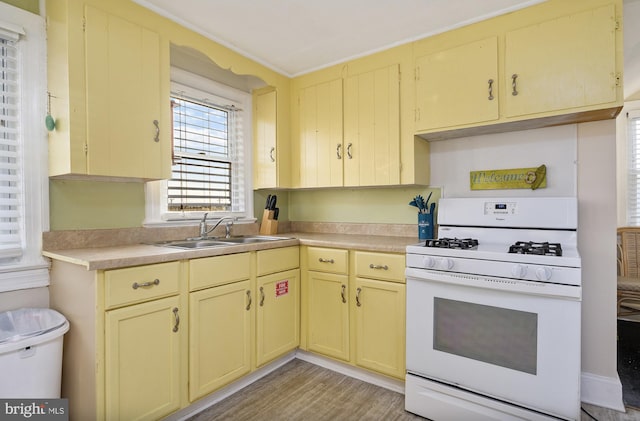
207 170
11 228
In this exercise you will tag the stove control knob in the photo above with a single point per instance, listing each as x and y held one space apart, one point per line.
543 273
446 263
519 271
428 262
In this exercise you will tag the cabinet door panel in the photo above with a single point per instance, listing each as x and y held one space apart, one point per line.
380 326
142 353
328 313
123 97
265 153
278 315
219 338
564 63
372 128
452 86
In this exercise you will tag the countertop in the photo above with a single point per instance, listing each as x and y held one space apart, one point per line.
112 257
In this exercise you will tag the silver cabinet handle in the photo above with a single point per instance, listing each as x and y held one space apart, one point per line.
145 284
261 296
358 291
249 299
490 89
321 260
372 266
514 91
349 151
273 149
342 293
156 138
177 317
339 150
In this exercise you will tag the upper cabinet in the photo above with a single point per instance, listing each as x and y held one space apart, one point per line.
553 63
108 80
265 167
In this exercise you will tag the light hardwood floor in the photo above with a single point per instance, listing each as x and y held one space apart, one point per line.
303 391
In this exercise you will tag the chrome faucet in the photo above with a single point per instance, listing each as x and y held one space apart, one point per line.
204 232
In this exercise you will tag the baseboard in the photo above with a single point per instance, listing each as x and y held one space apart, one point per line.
351 371
225 392
601 391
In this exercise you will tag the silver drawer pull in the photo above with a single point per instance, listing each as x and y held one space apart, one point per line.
146 284
358 291
372 266
321 260
261 296
342 293
175 313
156 138
249 299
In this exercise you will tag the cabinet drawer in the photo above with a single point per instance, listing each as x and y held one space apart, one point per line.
218 270
140 283
328 260
277 260
380 266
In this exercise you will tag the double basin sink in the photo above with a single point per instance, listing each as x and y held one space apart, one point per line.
198 243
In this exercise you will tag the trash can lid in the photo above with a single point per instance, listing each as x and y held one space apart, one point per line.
28 322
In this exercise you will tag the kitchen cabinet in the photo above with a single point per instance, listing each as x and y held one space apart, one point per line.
220 312
108 80
457 86
370 331
320 135
561 64
553 63
278 306
265 169
372 128
327 302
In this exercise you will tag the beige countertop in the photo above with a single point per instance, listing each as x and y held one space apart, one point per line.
116 256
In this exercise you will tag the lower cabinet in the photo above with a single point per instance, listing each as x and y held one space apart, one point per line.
143 357
354 308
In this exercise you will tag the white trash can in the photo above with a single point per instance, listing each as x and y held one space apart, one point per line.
31 353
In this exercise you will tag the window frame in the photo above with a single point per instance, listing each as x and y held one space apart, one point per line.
193 86
631 115
32 270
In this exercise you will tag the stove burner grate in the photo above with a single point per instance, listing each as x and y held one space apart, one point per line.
454 243
542 249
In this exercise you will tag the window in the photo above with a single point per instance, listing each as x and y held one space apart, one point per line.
211 153
633 168
23 153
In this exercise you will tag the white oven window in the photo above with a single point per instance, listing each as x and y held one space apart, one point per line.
494 335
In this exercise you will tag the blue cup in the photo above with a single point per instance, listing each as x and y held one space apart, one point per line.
425 226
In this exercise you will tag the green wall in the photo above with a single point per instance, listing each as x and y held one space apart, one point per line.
32 6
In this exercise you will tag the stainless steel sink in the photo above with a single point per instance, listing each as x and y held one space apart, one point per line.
218 242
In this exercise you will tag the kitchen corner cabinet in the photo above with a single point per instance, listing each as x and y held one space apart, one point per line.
108 80
220 312
354 308
372 128
278 303
265 171
540 66
320 135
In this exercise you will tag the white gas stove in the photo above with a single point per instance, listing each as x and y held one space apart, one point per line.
493 312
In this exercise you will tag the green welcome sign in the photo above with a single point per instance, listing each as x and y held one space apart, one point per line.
516 178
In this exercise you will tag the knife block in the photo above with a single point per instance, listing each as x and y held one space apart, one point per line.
269 225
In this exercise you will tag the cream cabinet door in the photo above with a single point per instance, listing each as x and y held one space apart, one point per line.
142 356
278 315
372 128
457 86
265 152
219 337
328 314
565 63
379 309
320 136
126 133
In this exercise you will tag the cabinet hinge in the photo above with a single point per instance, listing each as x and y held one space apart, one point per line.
616 25
84 24
618 79
86 149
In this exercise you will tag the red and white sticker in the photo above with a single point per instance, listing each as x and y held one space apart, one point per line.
282 288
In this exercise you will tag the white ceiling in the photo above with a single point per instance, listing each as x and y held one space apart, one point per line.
294 37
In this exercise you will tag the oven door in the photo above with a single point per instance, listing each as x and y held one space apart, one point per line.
517 341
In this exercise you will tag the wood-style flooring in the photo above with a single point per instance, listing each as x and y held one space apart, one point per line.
303 391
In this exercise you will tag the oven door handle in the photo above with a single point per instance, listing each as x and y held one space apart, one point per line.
546 289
